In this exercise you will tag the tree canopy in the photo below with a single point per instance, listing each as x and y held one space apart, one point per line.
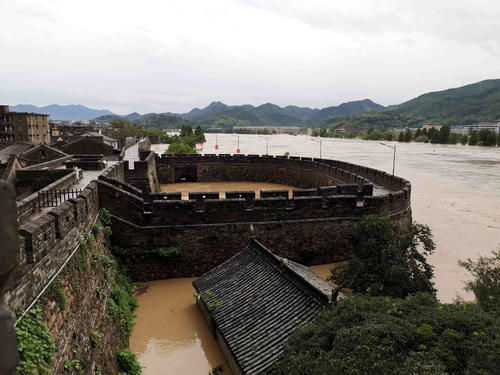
388 261
386 336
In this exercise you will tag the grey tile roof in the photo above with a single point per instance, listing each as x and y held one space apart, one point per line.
14 149
262 299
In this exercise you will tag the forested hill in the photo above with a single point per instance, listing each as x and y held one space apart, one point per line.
473 103
218 114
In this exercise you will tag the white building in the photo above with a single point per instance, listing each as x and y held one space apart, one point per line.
468 129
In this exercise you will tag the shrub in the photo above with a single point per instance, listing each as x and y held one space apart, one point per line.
392 336
127 362
95 338
55 292
73 365
104 261
107 233
167 252
486 283
122 304
96 230
90 240
104 216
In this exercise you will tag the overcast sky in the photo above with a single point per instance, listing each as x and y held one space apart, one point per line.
167 55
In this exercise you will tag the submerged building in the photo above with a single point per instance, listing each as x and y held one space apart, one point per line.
254 301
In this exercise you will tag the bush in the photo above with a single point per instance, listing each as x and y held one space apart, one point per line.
55 292
167 252
104 216
389 336
486 283
73 365
387 261
96 230
107 233
122 305
95 338
127 362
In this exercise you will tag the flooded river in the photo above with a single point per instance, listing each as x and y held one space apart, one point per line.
170 336
455 190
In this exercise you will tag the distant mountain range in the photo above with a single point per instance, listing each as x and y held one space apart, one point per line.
63 112
471 103
477 102
218 114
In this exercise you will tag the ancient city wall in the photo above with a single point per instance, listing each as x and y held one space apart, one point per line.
48 240
28 206
314 226
143 173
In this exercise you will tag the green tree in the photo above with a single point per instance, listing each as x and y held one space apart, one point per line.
483 137
444 134
401 137
180 148
464 139
391 336
486 282
407 136
491 139
186 131
387 261
474 138
198 132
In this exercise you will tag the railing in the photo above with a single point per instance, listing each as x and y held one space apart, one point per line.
53 198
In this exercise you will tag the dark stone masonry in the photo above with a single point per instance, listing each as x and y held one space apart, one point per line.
317 225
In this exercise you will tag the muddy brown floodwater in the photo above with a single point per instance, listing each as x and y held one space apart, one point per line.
222 187
170 336
455 190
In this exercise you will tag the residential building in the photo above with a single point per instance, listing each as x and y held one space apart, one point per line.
432 126
23 126
468 129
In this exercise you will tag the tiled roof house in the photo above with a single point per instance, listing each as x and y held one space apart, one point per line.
254 301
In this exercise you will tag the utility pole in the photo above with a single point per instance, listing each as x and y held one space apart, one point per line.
320 145
393 156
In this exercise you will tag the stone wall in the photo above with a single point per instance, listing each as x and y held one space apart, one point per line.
299 172
315 226
87 288
203 247
29 205
143 175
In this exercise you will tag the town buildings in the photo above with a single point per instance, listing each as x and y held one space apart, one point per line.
468 129
23 126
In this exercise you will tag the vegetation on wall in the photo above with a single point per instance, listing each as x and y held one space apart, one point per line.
35 345
122 305
127 363
55 292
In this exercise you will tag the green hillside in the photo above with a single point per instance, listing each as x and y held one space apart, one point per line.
478 102
472 103
375 120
